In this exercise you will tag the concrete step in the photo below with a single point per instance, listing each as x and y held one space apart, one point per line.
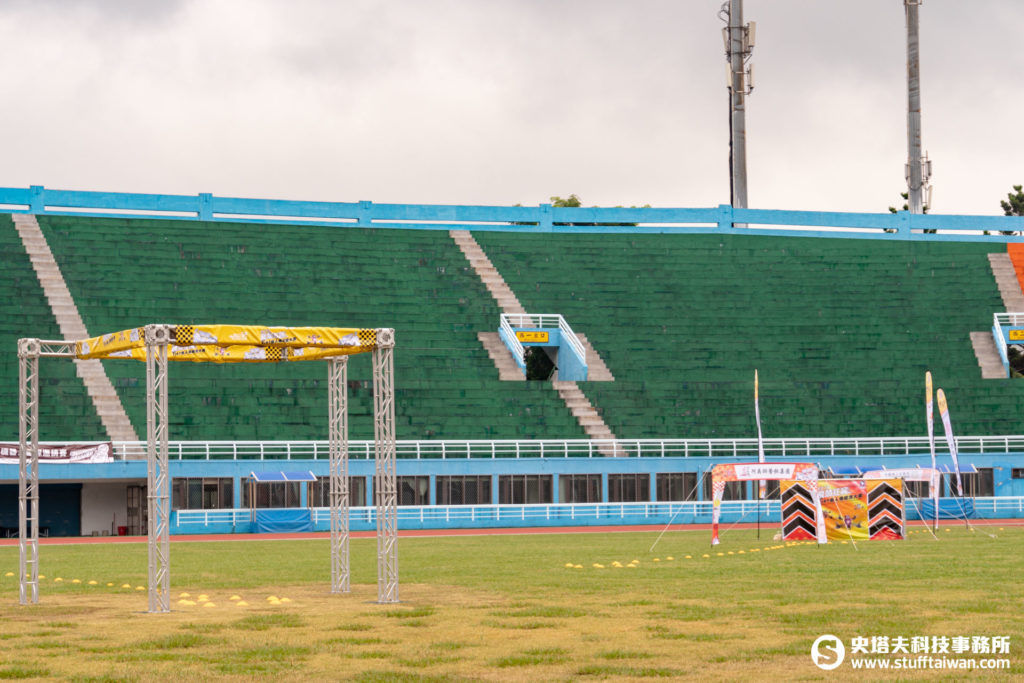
1006 279
597 371
988 355
502 358
577 402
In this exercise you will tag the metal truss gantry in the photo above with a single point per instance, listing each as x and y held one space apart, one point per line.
28 470
29 352
337 405
158 338
386 481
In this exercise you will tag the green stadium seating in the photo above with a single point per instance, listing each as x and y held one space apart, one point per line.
65 410
840 330
124 273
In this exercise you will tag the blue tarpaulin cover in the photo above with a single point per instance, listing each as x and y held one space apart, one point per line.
846 471
948 469
283 520
949 508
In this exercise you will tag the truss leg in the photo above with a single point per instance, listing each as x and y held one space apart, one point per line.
28 470
337 401
157 340
386 480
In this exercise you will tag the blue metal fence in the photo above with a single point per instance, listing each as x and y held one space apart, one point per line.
566 514
723 219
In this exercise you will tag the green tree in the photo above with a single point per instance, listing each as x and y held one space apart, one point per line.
1016 357
570 202
1015 205
573 202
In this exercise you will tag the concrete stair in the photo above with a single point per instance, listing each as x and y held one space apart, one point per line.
574 399
1006 280
588 418
507 369
597 371
97 384
988 355
496 285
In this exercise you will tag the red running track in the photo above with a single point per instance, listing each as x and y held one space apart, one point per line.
414 533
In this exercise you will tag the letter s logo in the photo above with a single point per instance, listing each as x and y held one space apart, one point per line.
828 652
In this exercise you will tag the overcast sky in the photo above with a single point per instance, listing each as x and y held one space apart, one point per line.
488 102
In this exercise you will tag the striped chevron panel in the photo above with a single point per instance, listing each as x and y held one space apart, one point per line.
885 509
797 512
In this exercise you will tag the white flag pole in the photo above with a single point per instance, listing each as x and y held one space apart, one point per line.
760 454
930 410
944 411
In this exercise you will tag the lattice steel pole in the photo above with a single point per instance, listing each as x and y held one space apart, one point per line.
337 403
28 470
917 177
158 492
384 454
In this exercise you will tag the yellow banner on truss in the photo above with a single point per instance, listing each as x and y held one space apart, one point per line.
236 343
111 345
256 335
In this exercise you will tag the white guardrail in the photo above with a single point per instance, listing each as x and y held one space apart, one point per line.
508 335
775 449
681 511
1000 322
549 320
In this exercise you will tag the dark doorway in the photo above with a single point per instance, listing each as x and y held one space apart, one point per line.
540 365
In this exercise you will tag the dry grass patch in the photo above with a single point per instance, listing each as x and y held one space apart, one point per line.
495 609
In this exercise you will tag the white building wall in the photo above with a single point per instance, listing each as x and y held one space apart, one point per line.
104 504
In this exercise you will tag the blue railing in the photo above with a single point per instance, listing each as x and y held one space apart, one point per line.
564 514
723 219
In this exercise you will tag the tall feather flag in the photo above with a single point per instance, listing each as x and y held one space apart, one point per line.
944 411
930 410
761 492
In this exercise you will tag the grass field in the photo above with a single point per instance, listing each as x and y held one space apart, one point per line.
502 608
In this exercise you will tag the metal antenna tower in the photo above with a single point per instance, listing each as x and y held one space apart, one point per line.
739 42
919 168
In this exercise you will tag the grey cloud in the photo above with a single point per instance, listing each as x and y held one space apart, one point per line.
504 102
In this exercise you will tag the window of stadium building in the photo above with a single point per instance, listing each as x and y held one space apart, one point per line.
413 490
676 485
980 484
196 493
629 488
277 494
524 489
1017 473
916 489
734 490
579 488
319 492
463 490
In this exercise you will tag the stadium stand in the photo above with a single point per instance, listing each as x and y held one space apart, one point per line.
128 272
841 330
66 412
